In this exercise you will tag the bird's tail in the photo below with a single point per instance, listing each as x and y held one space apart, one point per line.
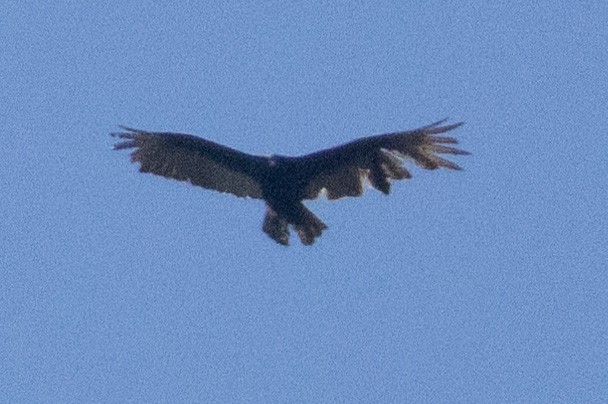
306 224
310 227
276 226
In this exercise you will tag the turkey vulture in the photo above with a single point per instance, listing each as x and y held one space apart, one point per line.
284 182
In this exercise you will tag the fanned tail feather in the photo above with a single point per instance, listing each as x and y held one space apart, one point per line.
310 228
276 226
306 224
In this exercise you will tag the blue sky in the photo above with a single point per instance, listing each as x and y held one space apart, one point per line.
487 285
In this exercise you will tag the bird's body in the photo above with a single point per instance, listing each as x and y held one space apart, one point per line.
284 182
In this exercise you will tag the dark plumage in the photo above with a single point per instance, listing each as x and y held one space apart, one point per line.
284 182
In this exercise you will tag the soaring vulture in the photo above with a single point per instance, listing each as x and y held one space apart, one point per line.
284 182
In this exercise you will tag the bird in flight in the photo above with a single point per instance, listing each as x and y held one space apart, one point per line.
285 182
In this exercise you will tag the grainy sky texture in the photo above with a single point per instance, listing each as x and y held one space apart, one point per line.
487 285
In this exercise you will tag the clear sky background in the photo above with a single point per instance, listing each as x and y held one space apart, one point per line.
486 285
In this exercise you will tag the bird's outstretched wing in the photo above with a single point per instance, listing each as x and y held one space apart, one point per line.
342 171
190 158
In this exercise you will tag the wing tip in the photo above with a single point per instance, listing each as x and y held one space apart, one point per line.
124 145
128 133
434 144
127 144
439 127
452 166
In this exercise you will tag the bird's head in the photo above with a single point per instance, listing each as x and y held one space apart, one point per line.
277 160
